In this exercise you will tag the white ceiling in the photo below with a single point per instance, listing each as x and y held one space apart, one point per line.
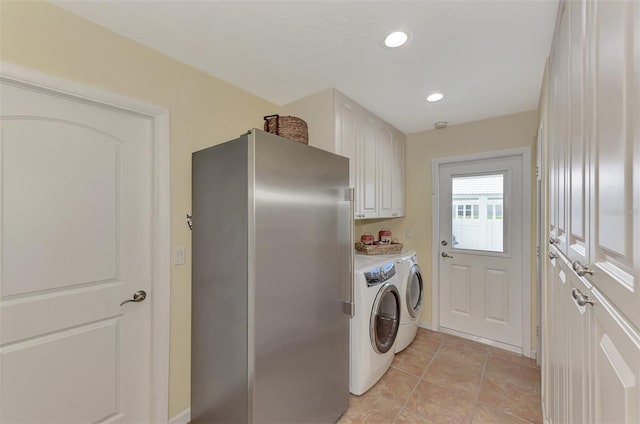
487 57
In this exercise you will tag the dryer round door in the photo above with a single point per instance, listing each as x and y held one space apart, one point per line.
414 291
385 318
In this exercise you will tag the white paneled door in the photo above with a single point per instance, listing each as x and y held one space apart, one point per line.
76 242
480 254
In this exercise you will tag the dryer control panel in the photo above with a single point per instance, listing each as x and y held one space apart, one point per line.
380 274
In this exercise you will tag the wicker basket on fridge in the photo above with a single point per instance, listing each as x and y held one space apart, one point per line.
290 127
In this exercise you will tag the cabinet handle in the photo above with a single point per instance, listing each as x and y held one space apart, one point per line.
581 298
552 255
580 269
553 240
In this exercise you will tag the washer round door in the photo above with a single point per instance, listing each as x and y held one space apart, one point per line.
414 291
385 318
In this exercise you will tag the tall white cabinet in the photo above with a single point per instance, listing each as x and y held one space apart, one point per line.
592 361
375 150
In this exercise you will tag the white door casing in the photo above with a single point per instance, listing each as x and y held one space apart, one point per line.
490 301
85 224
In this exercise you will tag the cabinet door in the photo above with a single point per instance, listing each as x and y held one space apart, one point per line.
397 174
577 343
367 162
577 196
559 345
615 155
386 160
558 130
615 365
346 118
560 139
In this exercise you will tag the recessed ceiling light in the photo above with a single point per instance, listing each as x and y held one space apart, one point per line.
434 97
395 39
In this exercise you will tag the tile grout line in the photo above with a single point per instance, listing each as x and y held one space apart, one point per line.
475 403
419 380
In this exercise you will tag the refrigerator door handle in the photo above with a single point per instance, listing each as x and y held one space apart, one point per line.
349 305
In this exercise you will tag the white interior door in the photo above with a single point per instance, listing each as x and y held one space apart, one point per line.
76 241
481 249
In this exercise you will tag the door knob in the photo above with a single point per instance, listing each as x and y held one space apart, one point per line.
552 255
138 296
446 255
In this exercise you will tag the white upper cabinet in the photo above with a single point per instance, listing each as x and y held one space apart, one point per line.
615 154
346 123
386 148
367 188
375 150
594 146
594 212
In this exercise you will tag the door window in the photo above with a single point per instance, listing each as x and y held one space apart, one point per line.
414 292
384 323
477 221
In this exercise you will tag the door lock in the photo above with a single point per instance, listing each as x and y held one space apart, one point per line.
446 255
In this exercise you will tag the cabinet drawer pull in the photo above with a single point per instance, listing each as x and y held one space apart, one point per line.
581 298
580 269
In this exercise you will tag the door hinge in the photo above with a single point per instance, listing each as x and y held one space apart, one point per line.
537 331
190 221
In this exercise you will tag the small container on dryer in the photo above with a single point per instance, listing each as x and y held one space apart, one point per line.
367 239
385 236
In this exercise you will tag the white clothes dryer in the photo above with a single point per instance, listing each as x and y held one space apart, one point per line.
411 295
374 326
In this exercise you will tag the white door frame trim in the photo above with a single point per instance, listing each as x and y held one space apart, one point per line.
525 153
161 242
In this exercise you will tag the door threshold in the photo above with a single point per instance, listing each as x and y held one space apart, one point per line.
505 346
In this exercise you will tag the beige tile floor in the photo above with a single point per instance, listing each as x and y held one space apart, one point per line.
446 379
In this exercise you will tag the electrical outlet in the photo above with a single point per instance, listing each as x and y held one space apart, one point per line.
407 234
179 256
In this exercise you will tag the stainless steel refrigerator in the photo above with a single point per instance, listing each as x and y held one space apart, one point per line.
272 282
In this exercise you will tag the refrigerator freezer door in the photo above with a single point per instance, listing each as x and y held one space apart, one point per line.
300 332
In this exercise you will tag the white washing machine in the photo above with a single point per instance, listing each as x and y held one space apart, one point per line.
411 295
374 327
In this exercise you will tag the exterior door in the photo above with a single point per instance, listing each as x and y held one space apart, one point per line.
481 249
76 242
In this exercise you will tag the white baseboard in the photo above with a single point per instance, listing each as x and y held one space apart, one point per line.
424 324
182 418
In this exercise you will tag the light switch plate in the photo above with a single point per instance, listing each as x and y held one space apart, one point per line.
179 256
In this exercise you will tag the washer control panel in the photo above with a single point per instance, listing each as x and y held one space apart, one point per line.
380 274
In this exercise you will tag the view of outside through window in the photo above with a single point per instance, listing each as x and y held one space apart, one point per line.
477 212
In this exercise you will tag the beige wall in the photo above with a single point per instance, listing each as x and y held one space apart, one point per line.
204 111
517 130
